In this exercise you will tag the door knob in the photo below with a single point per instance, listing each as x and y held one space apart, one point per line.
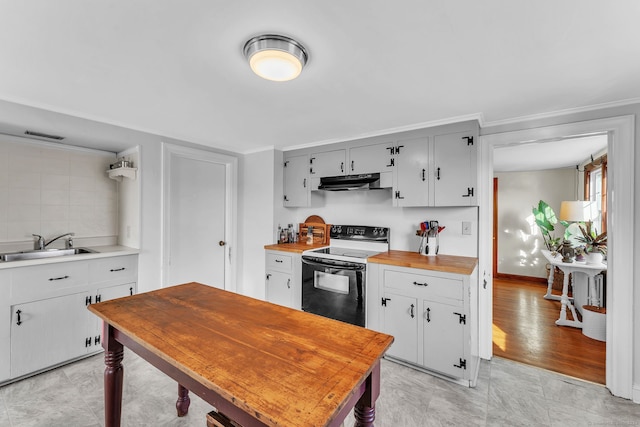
222 243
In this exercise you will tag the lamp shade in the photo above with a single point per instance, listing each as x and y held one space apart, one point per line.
275 57
572 211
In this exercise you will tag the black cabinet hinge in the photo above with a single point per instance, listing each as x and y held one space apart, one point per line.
463 318
469 139
462 365
98 298
87 342
392 163
96 340
398 196
384 301
398 148
469 192
87 300
285 198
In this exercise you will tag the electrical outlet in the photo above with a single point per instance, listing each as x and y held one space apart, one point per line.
466 228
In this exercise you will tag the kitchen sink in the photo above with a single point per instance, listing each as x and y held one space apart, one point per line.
46 253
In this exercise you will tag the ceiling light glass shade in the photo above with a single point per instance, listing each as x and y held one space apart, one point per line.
572 211
275 57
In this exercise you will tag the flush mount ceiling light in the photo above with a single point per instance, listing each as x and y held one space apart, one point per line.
275 57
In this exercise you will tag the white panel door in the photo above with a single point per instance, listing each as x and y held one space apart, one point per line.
196 221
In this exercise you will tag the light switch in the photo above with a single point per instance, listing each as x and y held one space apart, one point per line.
466 228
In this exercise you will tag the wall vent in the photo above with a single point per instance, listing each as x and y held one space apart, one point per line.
44 135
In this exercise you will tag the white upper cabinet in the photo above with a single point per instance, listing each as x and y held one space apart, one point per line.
429 167
328 163
454 156
412 174
296 181
371 159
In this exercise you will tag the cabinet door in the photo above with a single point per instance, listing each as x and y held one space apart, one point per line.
279 288
47 332
328 163
296 181
400 319
5 324
455 171
411 184
443 344
370 159
95 323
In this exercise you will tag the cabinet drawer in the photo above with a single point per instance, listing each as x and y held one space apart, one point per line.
276 261
44 281
428 286
121 269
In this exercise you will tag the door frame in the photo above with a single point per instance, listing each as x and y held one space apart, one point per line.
620 205
169 152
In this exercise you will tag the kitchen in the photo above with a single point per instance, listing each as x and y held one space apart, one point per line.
260 175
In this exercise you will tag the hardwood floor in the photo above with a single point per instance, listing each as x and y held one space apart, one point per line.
524 331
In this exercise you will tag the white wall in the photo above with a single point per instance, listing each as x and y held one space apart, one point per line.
51 189
374 208
256 201
129 203
519 239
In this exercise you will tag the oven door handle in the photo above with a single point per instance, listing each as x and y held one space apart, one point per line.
339 265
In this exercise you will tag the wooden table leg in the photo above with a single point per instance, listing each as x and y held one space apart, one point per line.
113 376
365 409
183 402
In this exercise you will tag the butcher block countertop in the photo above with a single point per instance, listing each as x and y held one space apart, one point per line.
293 247
445 263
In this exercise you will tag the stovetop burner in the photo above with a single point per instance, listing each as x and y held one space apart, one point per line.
353 243
345 252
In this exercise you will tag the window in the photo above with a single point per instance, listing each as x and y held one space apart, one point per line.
595 190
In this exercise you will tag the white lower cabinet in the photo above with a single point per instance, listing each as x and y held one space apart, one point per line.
399 320
283 280
47 321
48 332
429 314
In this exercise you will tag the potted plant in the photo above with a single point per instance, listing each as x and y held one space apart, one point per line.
595 245
546 219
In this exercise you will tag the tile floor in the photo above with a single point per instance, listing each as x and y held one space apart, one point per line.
508 394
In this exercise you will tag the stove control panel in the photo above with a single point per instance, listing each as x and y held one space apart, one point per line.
359 232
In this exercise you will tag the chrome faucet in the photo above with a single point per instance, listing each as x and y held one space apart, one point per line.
38 244
41 244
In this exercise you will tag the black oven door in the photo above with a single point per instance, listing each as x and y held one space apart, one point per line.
334 289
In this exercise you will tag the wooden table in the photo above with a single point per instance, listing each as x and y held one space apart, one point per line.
258 363
590 270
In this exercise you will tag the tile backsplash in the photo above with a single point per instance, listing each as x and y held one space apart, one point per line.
48 190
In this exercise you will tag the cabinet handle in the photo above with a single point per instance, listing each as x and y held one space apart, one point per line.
341 166
423 174
58 278
438 175
304 183
352 167
279 260
428 314
412 314
19 322
421 284
131 290
288 283
117 269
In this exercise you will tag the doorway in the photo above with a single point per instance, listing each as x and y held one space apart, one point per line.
198 223
619 365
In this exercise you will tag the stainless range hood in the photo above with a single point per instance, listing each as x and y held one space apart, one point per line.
370 181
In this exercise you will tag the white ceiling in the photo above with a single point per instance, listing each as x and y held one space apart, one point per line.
543 155
175 68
